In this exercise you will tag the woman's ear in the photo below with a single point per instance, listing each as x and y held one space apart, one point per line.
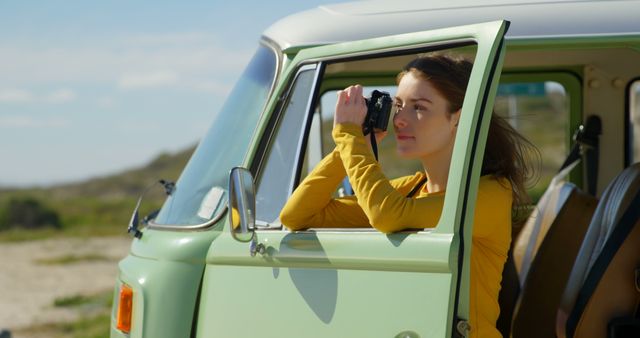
455 118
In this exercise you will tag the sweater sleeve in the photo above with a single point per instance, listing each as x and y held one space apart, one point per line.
386 209
492 220
312 204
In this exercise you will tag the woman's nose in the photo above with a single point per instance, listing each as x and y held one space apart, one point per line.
398 120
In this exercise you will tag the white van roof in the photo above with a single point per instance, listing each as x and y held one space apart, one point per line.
529 19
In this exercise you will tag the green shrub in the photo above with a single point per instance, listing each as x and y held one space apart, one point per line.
27 213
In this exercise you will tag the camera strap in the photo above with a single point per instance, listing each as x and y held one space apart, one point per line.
374 145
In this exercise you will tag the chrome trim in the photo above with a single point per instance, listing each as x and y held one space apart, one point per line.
190 227
279 64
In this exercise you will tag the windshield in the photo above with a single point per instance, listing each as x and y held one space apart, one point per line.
201 190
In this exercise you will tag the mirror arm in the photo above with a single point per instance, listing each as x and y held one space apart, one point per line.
134 222
255 247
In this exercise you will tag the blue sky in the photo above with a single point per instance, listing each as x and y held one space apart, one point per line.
93 88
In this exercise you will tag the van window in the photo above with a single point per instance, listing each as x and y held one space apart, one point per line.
529 105
634 119
378 73
200 192
275 179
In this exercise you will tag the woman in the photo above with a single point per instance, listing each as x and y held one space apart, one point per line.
427 110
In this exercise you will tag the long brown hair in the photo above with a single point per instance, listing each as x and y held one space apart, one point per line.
508 154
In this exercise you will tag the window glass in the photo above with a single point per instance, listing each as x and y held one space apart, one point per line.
540 112
277 173
200 192
634 115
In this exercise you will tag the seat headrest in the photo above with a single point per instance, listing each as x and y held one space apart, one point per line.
614 202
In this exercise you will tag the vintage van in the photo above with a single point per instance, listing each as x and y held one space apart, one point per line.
548 67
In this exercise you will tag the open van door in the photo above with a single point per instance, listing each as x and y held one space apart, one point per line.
348 282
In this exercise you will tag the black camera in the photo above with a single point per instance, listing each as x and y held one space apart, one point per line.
378 112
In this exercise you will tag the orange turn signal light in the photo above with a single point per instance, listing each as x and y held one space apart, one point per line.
125 308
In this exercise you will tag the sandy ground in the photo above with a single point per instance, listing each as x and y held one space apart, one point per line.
28 287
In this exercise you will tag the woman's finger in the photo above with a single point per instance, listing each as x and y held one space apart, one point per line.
355 95
343 97
350 107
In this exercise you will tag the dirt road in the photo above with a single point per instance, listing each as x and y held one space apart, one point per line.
34 274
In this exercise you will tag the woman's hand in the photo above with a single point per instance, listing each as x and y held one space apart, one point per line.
379 136
350 107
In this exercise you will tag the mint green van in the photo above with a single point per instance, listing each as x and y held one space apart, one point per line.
548 67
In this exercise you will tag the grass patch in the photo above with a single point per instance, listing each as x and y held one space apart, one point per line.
23 235
96 326
101 300
70 259
94 320
71 301
91 327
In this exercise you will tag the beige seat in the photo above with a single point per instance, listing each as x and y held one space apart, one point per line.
602 283
545 249
543 254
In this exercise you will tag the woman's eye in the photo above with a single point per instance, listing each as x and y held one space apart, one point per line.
418 108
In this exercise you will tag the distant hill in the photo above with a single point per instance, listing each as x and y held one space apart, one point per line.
128 183
99 202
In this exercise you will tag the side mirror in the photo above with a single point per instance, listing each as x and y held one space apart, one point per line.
242 204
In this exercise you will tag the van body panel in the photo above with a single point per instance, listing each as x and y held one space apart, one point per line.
316 302
530 20
164 295
176 246
322 282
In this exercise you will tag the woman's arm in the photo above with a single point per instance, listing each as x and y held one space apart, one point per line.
312 204
387 209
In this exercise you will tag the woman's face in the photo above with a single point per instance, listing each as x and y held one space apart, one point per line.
424 127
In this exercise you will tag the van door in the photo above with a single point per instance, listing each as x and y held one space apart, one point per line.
351 282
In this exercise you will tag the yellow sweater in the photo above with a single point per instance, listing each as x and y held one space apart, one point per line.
383 204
